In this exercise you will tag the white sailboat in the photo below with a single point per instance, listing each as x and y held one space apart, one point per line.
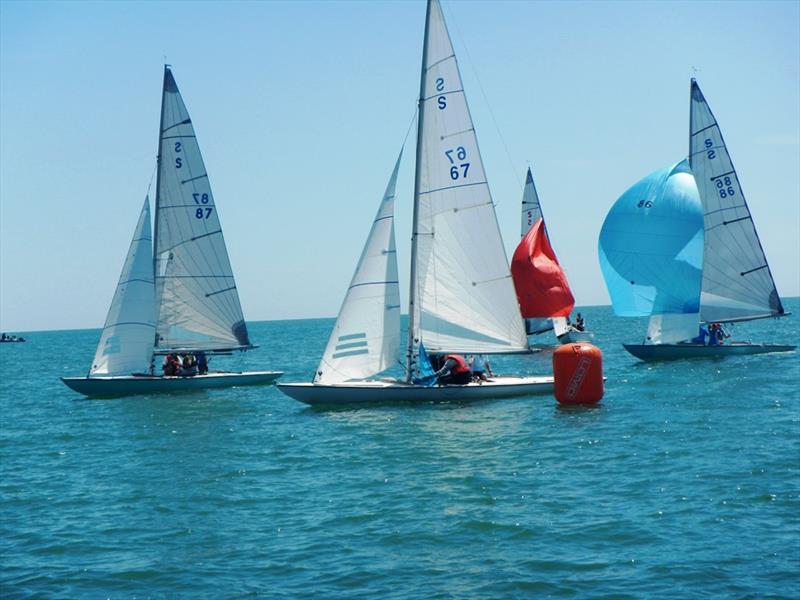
182 297
542 288
734 282
461 294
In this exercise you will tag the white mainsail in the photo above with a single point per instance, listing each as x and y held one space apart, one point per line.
198 304
737 282
462 295
126 344
531 209
366 337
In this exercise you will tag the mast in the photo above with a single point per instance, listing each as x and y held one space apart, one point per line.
412 324
158 174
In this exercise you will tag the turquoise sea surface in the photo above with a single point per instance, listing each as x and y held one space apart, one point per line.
683 483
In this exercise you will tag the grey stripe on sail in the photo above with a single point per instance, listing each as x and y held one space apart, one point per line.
743 273
350 353
132 280
177 137
220 291
723 175
704 128
440 94
351 336
361 344
186 121
444 137
194 178
128 323
453 187
371 283
440 61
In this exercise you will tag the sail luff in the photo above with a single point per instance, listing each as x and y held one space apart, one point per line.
737 280
413 308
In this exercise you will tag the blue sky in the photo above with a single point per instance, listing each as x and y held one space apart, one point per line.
300 109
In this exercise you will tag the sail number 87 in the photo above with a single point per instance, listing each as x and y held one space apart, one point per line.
203 212
459 169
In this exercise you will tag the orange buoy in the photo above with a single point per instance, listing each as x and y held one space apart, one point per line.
578 374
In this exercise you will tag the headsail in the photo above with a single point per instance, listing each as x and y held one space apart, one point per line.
651 251
366 337
542 287
198 304
737 282
126 344
462 296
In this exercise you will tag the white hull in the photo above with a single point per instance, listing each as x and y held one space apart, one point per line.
575 337
132 385
392 391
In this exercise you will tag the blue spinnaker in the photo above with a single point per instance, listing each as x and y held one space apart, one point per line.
651 245
426 374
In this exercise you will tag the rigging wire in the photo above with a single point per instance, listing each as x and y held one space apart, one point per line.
485 99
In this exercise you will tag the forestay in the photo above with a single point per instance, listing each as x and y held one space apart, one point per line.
366 337
463 298
651 252
198 304
126 343
737 282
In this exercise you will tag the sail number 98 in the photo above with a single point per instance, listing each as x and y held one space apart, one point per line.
458 169
725 188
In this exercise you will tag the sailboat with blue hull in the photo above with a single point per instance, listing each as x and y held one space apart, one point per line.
681 247
176 293
462 298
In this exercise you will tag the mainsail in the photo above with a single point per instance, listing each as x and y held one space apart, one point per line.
462 297
531 209
126 343
737 282
198 304
651 253
366 337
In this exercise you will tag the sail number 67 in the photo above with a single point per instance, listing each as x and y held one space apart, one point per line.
461 154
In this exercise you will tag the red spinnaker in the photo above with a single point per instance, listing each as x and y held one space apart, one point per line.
541 284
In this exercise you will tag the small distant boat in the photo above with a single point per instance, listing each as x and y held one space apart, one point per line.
462 297
543 291
10 339
176 293
681 246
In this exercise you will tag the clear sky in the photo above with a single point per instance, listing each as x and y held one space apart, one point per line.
300 109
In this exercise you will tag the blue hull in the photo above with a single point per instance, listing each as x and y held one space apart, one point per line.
652 352
135 385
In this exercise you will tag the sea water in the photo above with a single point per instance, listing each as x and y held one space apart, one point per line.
683 483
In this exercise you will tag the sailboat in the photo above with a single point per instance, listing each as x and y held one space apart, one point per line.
698 261
461 296
543 291
176 292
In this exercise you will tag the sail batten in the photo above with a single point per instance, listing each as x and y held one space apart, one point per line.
196 308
